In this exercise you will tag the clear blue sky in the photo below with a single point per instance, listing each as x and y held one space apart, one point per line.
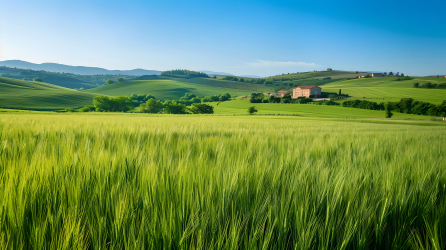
240 37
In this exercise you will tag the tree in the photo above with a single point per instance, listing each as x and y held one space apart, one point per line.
175 108
151 106
415 85
215 77
113 104
286 98
402 74
339 91
120 79
199 108
108 82
37 79
252 110
389 113
390 73
241 80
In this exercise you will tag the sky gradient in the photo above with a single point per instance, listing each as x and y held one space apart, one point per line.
240 37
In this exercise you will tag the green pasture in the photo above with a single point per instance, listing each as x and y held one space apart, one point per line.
386 89
165 89
130 181
334 74
18 94
241 107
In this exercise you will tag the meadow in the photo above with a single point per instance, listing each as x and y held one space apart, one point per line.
18 94
172 88
114 181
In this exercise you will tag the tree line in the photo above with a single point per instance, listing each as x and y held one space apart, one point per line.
429 85
184 73
189 103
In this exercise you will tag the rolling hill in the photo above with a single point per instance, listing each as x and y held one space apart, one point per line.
387 89
166 88
18 94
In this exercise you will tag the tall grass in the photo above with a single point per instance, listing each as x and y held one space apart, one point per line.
113 182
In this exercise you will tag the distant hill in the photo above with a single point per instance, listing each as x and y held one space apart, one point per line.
80 70
168 88
18 94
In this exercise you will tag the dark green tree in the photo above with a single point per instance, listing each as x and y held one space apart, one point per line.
120 79
252 110
201 108
37 79
108 82
415 85
339 91
389 113
175 108
151 106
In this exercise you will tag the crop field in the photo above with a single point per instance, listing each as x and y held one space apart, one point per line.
100 181
164 89
40 96
386 89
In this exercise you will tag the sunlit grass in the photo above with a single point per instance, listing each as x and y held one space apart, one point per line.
139 182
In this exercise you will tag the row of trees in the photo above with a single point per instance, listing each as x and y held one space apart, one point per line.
363 104
260 98
405 105
120 79
184 73
429 85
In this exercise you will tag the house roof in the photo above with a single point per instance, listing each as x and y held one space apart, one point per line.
306 87
283 90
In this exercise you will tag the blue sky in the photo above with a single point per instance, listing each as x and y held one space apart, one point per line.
239 37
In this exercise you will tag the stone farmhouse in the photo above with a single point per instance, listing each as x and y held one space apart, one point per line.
377 75
306 91
283 92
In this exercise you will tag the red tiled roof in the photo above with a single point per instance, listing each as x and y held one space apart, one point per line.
306 87
284 91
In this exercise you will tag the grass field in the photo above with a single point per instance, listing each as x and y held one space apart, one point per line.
40 96
241 107
74 181
386 89
169 89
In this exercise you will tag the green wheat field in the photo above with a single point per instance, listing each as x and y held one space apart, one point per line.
220 182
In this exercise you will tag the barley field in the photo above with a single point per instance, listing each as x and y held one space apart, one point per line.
207 182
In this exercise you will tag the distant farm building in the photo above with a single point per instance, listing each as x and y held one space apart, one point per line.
274 94
283 92
359 76
306 91
377 75
329 69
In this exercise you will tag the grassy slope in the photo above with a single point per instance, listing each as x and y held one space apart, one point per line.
40 96
386 89
164 89
335 74
241 107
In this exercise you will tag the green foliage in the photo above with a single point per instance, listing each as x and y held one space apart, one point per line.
151 106
37 79
429 85
256 98
112 104
87 109
175 108
120 79
198 108
183 73
252 110
389 113
140 99
363 104
241 80
416 85
109 82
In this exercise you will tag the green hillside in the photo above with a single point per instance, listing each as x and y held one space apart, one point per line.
334 74
168 89
387 89
40 96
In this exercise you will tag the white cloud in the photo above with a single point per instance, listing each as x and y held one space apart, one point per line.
276 64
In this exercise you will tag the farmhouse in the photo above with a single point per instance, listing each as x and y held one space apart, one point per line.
329 69
377 75
283 92
306 91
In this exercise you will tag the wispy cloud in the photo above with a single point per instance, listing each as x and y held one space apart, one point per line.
276 64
